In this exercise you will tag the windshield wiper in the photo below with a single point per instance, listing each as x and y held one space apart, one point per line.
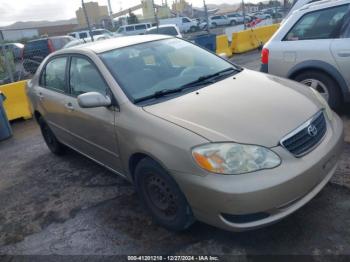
203 80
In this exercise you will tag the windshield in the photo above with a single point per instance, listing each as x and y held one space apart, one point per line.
149 69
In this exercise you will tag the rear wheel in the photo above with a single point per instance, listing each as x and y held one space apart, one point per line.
233 22
162 196
193 29
50 139
324 84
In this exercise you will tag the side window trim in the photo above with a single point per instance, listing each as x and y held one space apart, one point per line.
43 73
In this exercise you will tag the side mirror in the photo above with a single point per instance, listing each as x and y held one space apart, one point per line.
224 56
93 99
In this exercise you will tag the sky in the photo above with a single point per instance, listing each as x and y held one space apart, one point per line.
33 10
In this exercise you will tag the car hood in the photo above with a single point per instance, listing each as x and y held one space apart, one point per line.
251 107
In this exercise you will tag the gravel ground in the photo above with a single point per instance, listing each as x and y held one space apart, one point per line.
69 205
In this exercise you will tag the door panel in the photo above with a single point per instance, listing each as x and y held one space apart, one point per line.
52 97
341 52
92 130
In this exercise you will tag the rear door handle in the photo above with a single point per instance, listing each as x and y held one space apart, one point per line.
344 54
69 106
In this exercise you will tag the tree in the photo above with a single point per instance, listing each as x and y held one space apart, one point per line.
132 19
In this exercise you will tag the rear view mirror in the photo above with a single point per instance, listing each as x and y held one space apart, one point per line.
93 99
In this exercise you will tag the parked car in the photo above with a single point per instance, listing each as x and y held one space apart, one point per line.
15 48
85 34
76 42
313 47
184 24
225 165
261 15
172 30
235 18
36 50
219 20
136 29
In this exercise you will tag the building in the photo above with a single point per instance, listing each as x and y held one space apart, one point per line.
148 10
182 8
95 12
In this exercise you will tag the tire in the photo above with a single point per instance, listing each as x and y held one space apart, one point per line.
50 139
323 83
193 29
233 22
214 25
162 197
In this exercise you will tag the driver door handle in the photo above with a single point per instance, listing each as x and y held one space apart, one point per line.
69 106
40 95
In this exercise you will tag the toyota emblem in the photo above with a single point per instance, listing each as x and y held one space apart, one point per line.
312 130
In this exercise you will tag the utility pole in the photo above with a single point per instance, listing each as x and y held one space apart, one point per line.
87 20
155 14
243 12
110 12
206 15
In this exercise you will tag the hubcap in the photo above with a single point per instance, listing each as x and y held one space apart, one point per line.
161 197
318 86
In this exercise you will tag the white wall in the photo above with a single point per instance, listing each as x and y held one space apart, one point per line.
14 35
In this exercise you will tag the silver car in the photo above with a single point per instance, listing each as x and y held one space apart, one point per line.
313 47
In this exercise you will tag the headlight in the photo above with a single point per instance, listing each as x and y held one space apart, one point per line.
324 103
233 158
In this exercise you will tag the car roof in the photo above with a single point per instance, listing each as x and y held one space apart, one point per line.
161 26
114 43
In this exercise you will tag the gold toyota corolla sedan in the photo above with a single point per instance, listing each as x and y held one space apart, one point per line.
200 137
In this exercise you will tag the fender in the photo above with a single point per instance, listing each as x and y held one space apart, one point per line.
323 66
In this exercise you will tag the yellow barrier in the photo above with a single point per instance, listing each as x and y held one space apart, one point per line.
16 103
222 45
243 41
252 38
263 34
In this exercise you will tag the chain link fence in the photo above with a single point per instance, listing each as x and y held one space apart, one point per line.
20 61
11 63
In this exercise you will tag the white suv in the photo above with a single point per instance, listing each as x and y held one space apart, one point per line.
313 47
219 20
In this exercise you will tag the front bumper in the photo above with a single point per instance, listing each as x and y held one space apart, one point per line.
276 193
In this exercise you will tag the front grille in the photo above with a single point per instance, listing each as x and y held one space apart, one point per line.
305 138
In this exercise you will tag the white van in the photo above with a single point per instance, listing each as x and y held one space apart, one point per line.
86 34
185 24
135 29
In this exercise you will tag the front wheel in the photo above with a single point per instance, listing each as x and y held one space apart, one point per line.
233 22
324 84
162 196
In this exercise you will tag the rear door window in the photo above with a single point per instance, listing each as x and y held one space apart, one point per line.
129 28
140 27
83 35
345 30
323 24
53 76
38 47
